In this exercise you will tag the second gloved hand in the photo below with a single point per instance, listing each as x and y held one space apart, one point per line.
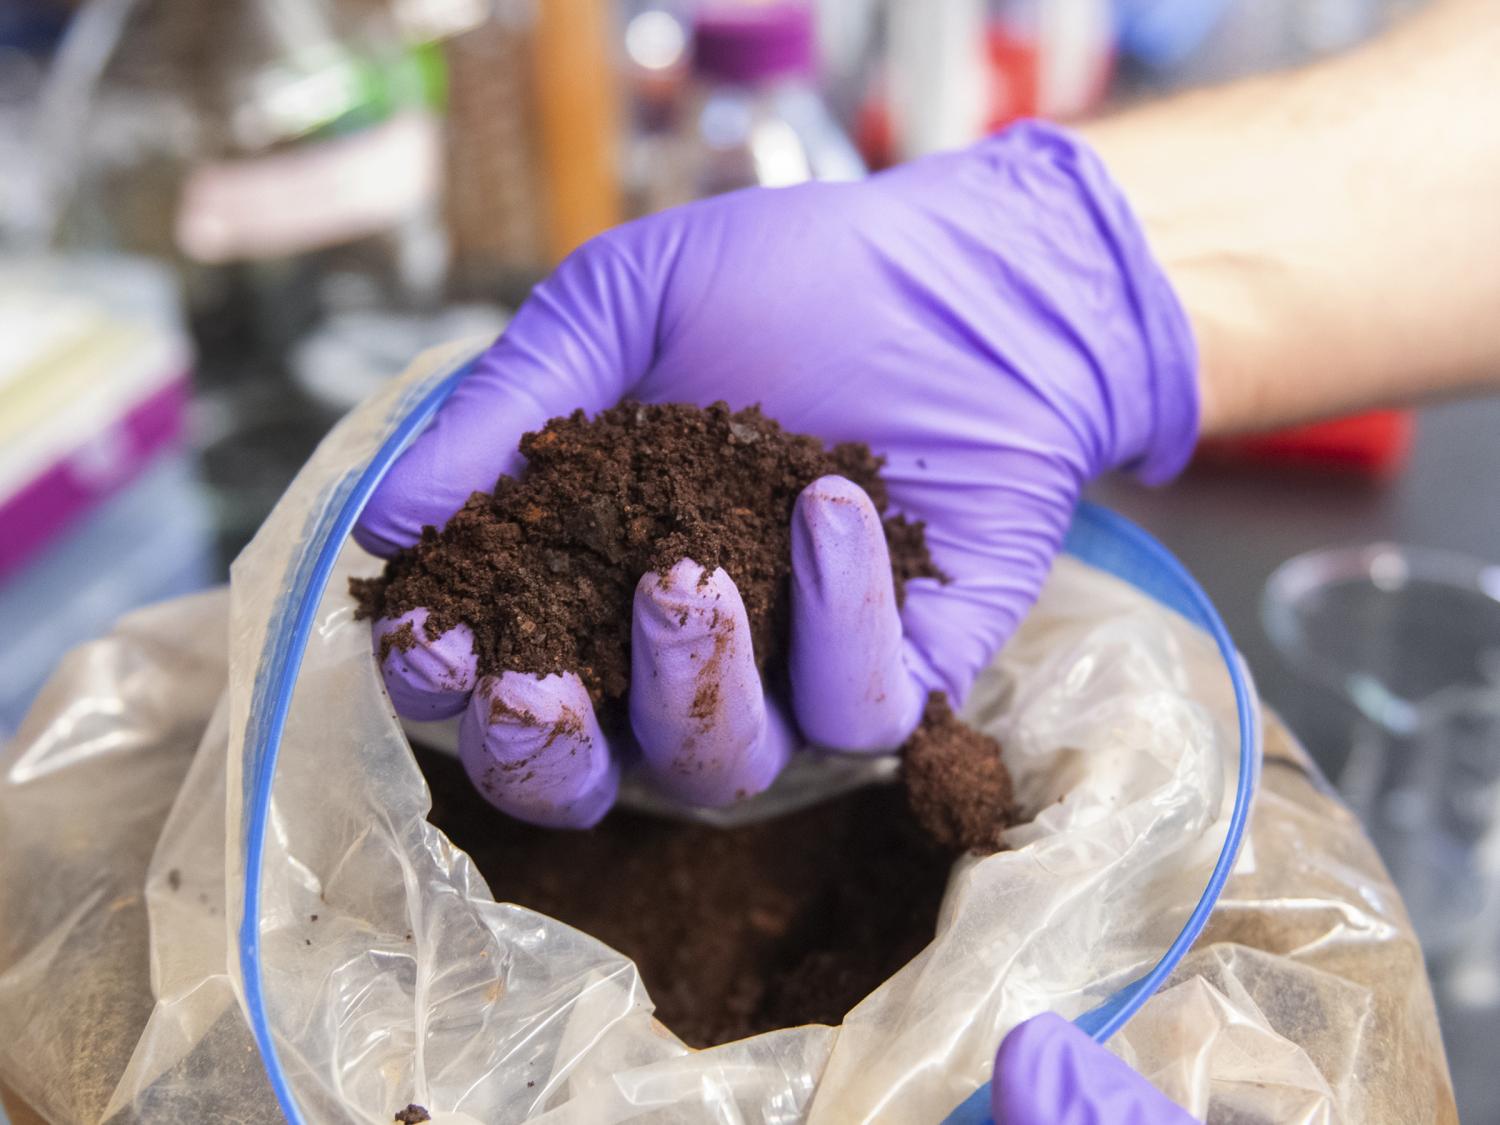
990 320
1049 1072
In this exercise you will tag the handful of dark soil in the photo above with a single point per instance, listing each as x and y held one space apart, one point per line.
543 570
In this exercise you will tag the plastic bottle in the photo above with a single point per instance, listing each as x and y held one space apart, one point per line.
755 115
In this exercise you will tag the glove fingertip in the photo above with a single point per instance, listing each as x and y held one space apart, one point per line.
533 748
697 706
427 678
850 687
376 536
1025 1089
1048 1070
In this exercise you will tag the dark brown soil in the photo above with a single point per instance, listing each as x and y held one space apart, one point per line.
412 1115
958 786
544 569
735 931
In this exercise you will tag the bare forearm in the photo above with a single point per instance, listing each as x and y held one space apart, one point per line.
1335 232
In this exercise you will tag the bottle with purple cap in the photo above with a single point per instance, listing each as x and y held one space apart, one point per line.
755 115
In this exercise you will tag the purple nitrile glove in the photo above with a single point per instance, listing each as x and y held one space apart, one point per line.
1049 1072
991 320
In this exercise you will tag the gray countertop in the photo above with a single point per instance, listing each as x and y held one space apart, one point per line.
1232 529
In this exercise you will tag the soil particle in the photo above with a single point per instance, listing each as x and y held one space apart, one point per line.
174 879
499 709
958 786
399 639
544 568
412 1115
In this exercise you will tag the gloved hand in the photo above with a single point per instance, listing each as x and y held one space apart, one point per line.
991 320
1049 1072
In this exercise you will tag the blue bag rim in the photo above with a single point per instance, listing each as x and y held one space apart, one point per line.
1098 537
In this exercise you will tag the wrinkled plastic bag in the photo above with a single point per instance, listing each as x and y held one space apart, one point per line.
122 817
1306 1000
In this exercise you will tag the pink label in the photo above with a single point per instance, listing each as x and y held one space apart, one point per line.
317 195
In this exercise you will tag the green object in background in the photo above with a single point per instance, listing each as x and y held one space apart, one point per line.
333 92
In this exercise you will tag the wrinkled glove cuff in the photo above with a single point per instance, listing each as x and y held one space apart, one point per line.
1149 382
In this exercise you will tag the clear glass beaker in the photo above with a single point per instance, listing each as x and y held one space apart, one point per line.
1409 639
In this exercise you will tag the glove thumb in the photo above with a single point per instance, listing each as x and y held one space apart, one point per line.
585 336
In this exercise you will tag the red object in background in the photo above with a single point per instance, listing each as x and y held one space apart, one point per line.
1374 444
872 129
1015 92
1015 82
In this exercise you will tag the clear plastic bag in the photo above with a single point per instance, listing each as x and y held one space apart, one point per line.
388 975
1306 1001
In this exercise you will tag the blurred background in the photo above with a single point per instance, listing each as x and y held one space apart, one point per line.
224 223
